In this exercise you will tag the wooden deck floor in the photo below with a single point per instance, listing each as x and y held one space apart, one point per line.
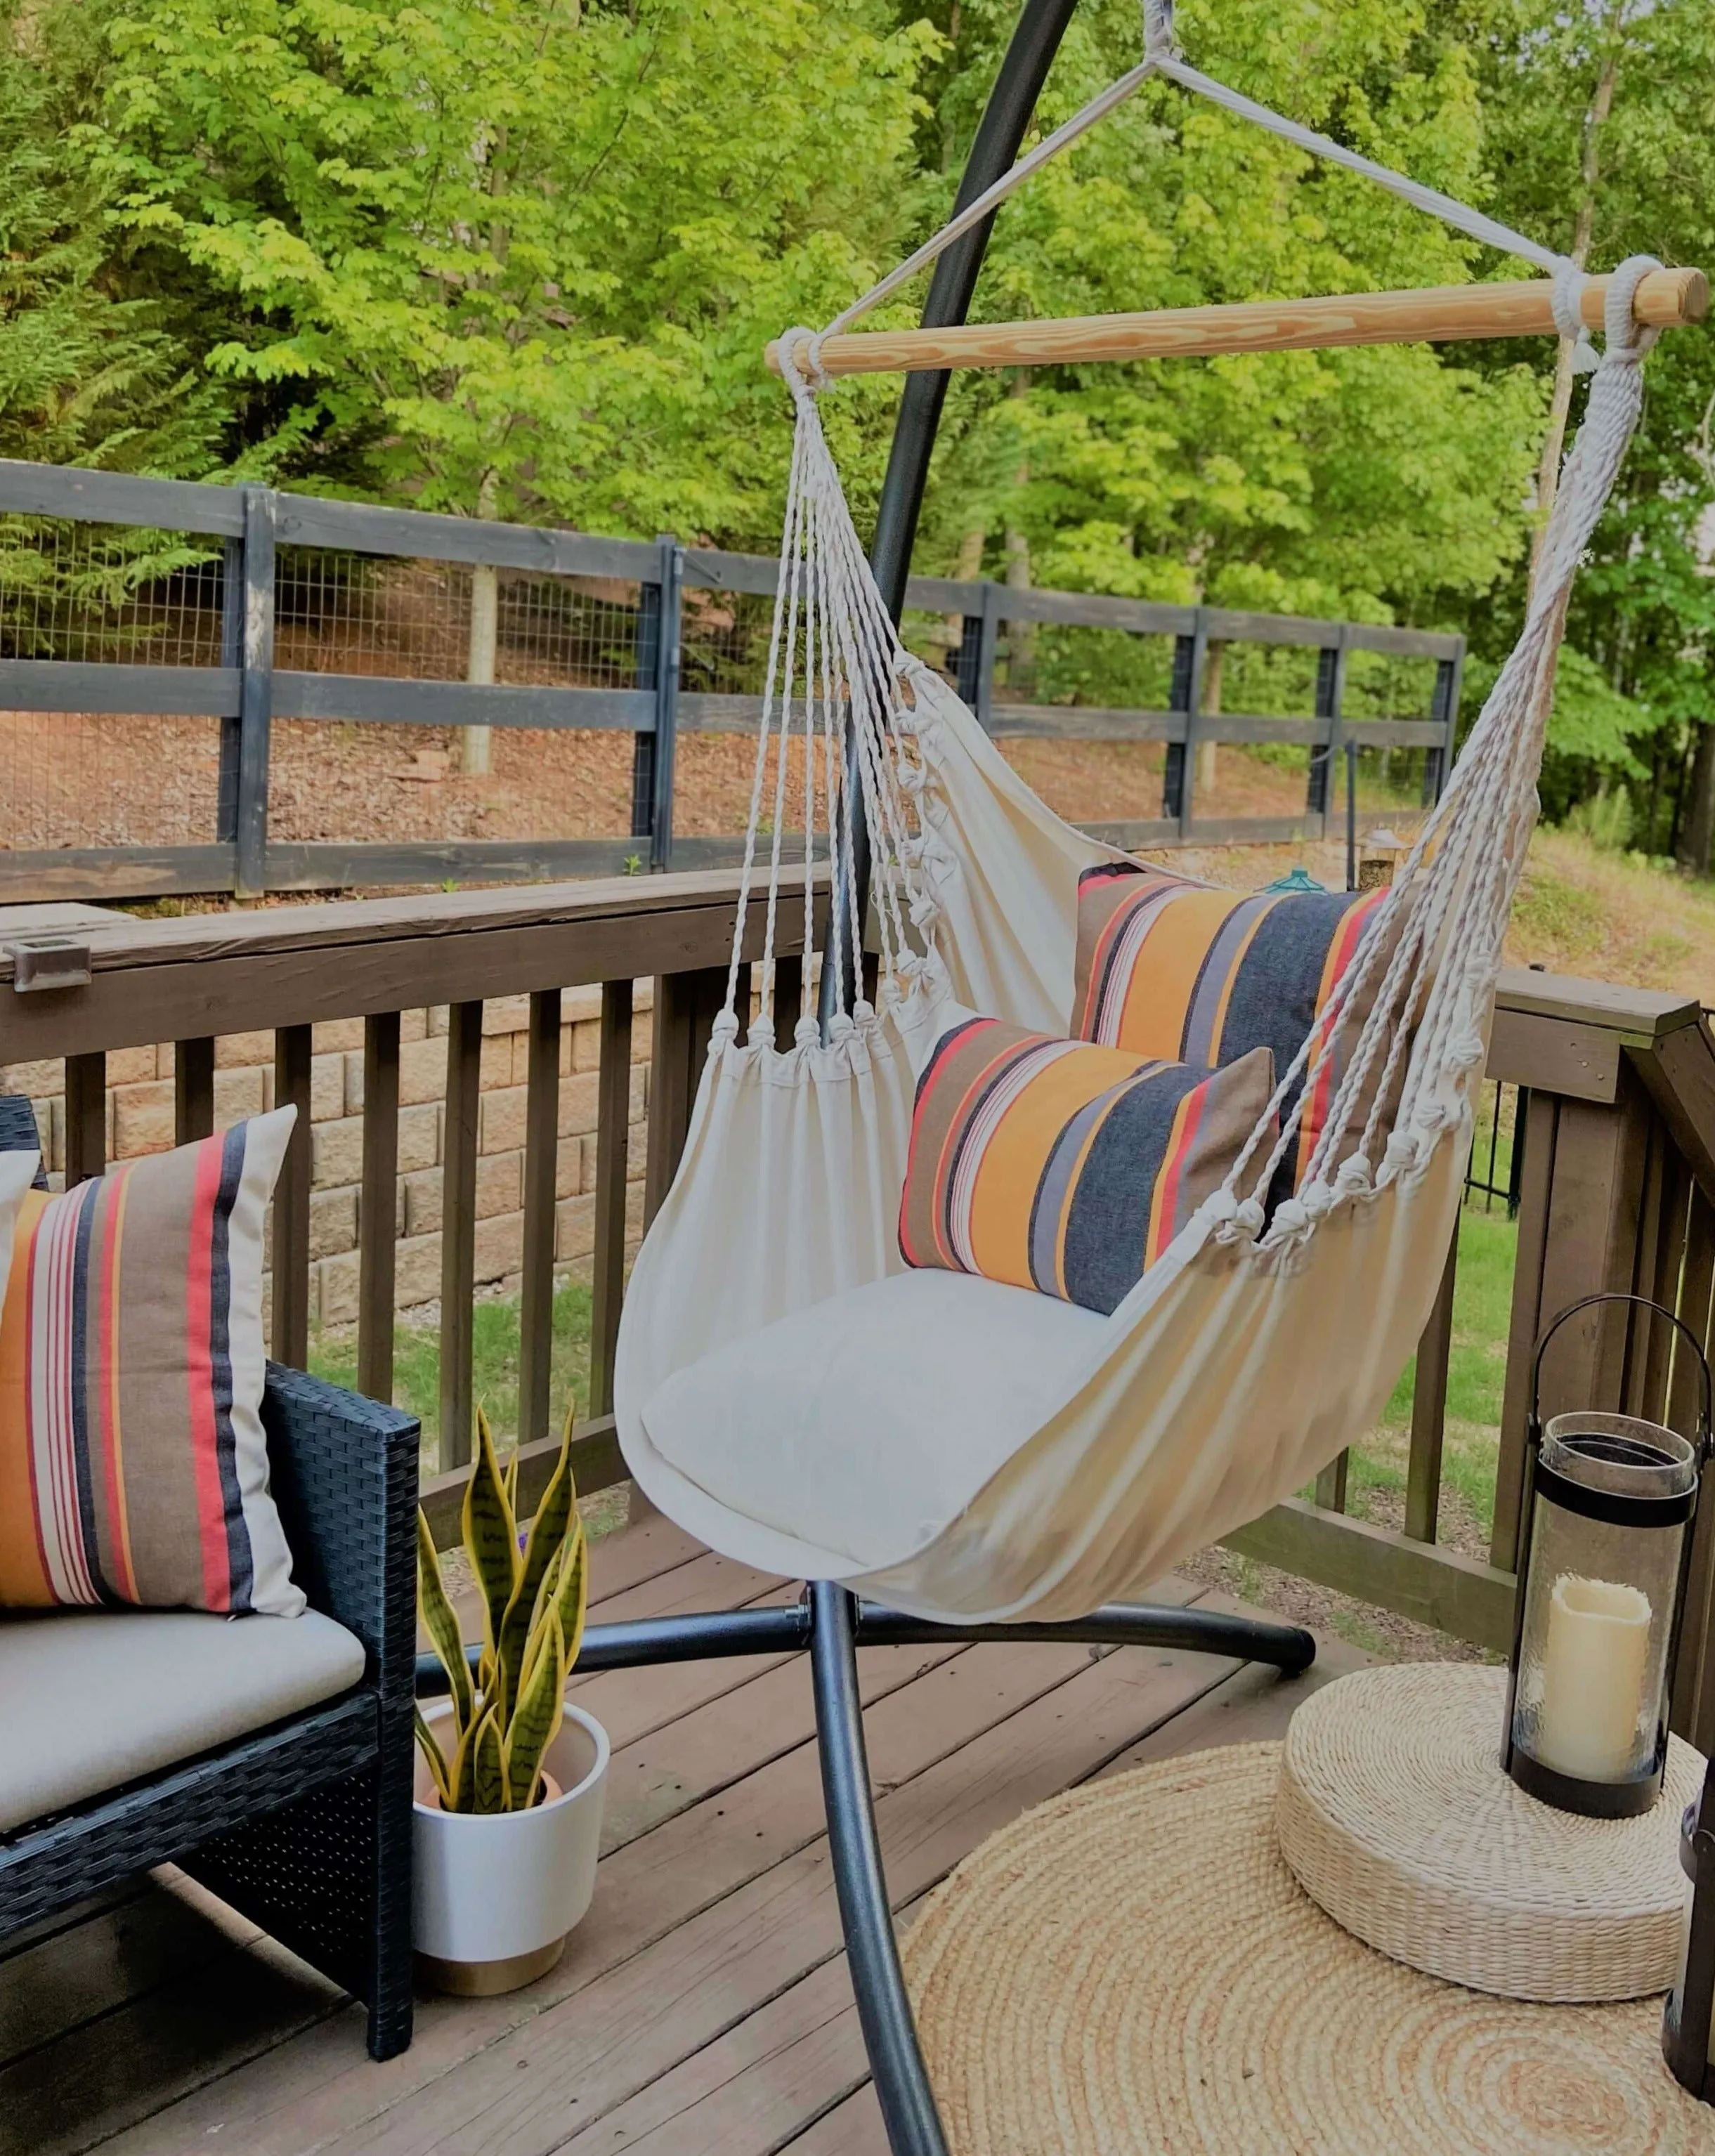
702 2009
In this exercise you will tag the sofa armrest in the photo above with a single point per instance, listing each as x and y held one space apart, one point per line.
343 1471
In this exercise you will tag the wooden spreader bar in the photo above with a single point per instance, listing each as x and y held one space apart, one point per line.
1665 298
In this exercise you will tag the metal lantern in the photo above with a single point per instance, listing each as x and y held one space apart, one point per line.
1687 2039
1607 1524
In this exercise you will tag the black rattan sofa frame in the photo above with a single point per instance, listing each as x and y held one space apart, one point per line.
303 1826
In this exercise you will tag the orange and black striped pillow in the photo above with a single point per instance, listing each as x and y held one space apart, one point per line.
133 1467
1170 967
1059 1166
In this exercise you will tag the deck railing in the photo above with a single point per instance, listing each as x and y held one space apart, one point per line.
1618 1185
237 614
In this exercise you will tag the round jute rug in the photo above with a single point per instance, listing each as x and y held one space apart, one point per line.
1132 1970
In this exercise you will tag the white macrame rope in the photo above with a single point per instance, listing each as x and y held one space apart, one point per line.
1433 941
1451 896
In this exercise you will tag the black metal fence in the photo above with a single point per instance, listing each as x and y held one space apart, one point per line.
194 680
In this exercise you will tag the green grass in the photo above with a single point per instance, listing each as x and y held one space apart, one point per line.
495 1360
1477 1377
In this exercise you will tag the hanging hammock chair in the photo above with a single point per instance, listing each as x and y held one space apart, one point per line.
793 1393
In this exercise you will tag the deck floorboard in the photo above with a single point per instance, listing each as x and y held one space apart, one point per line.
703 2008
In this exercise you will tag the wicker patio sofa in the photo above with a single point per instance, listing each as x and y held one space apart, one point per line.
274 1766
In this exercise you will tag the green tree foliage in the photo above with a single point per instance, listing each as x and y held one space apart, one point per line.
517 258
1377 483
1636 690
94 369
520 258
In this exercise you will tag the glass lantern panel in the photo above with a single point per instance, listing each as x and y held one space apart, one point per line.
1599 1607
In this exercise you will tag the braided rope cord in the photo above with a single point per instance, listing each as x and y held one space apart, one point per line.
1434 940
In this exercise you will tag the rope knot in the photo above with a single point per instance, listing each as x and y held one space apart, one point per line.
1567 301
801 367
1250 1217
1627 339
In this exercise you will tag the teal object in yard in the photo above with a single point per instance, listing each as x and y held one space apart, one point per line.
1299 879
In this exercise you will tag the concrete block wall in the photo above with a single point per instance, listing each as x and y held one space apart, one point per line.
140 1120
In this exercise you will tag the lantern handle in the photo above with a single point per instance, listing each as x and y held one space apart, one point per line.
1706 1415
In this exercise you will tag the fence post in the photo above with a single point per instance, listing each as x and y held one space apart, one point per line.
256 693
1330 688
668 634
988 626
660 617
1185 698
1438 762
232 654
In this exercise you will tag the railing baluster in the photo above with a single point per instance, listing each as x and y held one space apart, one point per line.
789 995
192 1089
541 1154
378 1205
686 1007
291 1201
612 1165
85 1116
1661 1259
1429 1407
1331 1483
1694 1675
1542 1123
458 1232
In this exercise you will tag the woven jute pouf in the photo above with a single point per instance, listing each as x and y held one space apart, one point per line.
1132 1970
1394 1815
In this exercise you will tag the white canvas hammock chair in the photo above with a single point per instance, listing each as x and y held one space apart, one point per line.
967 1451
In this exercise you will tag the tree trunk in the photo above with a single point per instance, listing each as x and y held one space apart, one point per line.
475 743
1589 171
1697 833
1021 635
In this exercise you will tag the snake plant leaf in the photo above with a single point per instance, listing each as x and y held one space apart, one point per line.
536 1719
442 1625
459 1775
548 1531
491 1533
488 1765
572 1594
430 1745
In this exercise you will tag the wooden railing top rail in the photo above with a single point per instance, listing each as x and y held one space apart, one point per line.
154 980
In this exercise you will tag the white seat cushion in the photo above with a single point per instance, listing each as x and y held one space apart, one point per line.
89 1701
864 1423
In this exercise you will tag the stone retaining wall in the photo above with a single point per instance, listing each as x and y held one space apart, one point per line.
140 1120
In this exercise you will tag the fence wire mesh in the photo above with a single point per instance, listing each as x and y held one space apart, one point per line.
98 594
75 592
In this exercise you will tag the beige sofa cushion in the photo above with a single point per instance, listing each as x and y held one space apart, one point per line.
90 1700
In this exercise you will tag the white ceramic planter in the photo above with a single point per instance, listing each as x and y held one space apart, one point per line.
492 1899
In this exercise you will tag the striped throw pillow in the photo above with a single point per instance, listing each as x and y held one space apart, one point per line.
132 1465
1170 968
1056 1165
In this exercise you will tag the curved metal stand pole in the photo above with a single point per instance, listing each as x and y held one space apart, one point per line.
1041 25
884 2011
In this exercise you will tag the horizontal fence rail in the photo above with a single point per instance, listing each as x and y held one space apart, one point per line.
658 632
1611 1091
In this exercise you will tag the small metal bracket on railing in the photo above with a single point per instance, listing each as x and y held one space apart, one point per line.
49 961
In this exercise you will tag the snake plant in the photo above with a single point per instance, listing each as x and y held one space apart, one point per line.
532 1595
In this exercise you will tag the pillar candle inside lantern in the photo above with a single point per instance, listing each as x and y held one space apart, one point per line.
1594 1667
